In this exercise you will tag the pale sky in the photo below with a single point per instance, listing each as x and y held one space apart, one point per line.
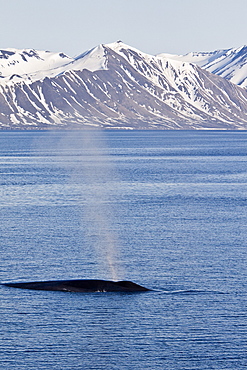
152 26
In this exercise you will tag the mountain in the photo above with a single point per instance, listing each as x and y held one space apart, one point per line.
230 64
115 86
19 64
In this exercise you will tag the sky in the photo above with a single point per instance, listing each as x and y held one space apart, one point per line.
152 26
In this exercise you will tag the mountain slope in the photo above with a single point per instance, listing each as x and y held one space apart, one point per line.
230 64
117 86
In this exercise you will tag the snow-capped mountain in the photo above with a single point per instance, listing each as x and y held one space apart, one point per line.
20 64
230 64
116 86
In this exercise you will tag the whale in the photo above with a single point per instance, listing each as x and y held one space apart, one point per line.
81 285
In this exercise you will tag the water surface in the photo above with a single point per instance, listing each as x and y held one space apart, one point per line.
165 209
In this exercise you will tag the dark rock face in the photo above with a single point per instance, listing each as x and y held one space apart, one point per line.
132 92
5 54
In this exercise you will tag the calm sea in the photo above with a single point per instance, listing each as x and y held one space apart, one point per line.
165 209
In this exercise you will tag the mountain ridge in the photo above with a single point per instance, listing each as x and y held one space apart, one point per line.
230 64
117 86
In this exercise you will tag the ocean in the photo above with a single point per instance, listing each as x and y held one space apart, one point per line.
164 209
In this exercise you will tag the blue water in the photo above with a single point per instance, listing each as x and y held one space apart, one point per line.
165 209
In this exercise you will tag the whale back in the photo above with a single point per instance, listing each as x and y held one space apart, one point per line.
82 285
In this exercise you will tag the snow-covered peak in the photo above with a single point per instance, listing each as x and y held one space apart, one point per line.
152 67
32 65
119 46
92 60
227 63
126 50
204 58
192 57
16 63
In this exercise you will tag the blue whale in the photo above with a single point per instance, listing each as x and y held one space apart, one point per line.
81 286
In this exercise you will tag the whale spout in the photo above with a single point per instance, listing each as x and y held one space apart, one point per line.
82 285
